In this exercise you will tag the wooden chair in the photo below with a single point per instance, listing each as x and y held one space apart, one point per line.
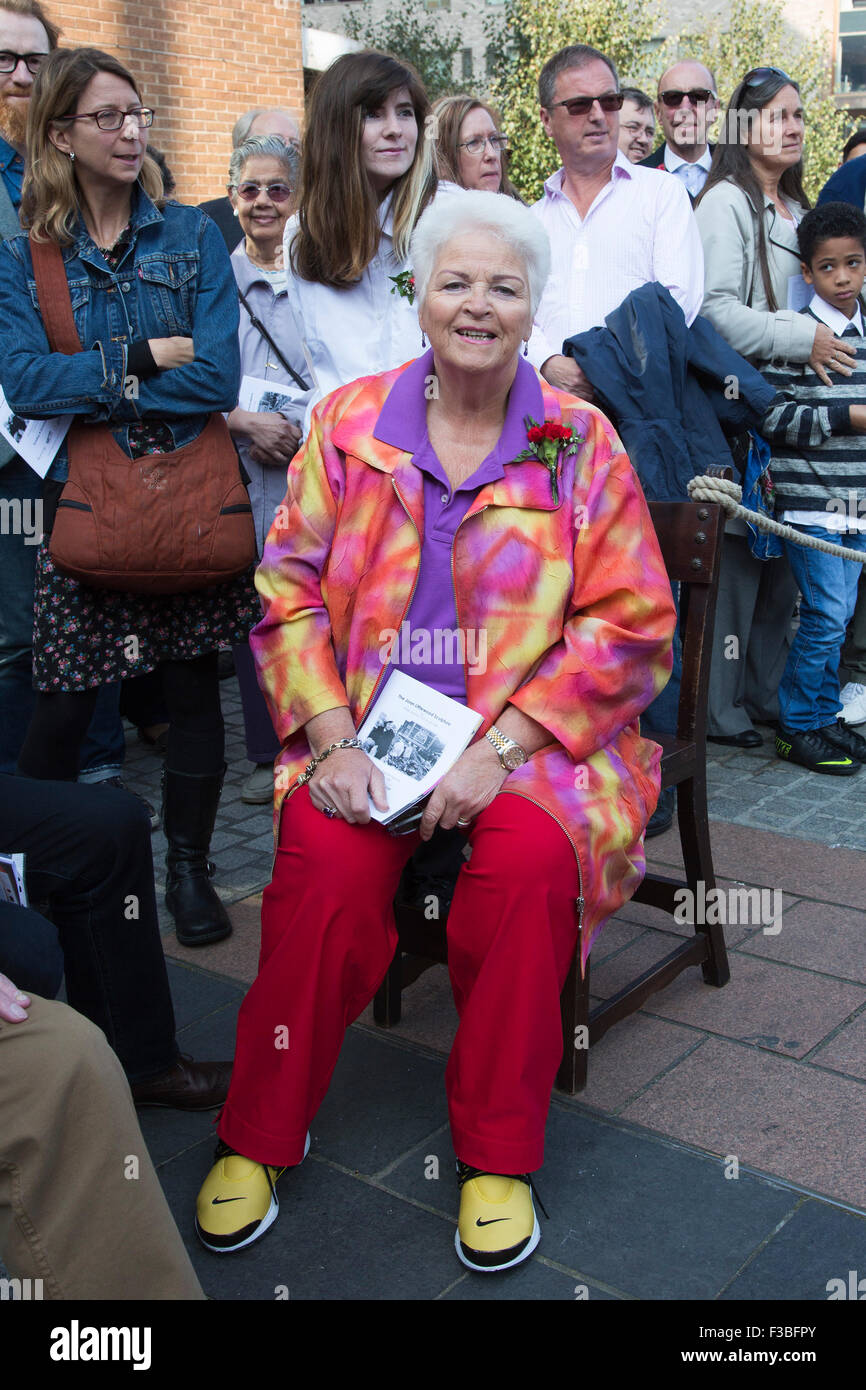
690 537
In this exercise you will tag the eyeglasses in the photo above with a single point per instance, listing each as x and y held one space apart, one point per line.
579 106
112 119
758 76
698 96
249 191
10 61
477 144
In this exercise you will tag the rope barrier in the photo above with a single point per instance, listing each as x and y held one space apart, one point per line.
728 494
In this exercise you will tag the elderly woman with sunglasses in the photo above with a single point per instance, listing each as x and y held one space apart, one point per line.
263 176
747 216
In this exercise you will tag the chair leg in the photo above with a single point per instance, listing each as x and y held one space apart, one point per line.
574 1006
698 860
387 1004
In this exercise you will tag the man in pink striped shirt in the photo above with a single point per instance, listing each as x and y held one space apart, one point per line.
613 226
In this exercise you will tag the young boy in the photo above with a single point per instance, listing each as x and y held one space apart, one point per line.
816 430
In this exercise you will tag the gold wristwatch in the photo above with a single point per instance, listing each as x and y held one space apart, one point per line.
511 755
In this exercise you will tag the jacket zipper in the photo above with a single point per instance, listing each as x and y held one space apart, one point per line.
386 664
454 589
580 901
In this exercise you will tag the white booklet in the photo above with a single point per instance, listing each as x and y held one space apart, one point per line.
256 394
12 888
37 441
414 735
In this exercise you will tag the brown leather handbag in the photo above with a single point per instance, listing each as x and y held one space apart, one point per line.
161 524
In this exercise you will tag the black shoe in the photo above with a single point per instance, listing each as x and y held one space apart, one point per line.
662 817
189 807
810 749
841 736
749 738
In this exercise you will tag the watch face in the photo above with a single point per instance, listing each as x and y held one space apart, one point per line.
514 757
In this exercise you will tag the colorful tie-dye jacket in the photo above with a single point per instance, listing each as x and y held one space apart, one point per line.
573 597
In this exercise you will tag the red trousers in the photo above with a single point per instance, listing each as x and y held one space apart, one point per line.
328 937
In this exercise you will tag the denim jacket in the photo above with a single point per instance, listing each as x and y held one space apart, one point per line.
175 278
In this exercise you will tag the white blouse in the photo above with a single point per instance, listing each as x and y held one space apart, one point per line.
357 331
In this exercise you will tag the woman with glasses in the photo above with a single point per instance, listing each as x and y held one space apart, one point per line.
470 150
366 176
747 216
155 307
263 176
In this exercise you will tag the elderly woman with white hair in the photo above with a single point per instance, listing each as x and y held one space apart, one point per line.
459 492
266 423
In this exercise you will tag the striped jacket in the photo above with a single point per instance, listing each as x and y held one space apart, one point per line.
818 462
573 598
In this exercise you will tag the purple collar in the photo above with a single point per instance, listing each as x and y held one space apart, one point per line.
402 420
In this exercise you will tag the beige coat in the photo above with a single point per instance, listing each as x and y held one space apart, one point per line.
734 299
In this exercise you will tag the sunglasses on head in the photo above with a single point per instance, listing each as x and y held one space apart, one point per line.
277 192
698 96
579 106
758 76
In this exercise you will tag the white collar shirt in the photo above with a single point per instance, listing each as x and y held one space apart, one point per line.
357 331
639 228
693 175
834 318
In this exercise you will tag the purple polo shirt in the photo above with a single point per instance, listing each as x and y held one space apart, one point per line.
430 646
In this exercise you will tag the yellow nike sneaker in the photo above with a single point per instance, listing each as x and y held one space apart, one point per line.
238 1201
497 1226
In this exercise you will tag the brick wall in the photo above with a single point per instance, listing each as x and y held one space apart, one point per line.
200 64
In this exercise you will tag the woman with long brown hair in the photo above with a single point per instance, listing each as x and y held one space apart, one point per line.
366 176
153 302
747 216
470 150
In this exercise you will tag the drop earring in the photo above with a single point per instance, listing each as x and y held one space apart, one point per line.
423 340
71 155
526 348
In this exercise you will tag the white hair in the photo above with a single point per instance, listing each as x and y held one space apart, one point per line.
451 214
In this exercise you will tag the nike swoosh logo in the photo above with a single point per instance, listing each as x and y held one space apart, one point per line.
218 1201
492 1221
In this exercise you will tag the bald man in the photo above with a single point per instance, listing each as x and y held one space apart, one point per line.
270 120
687 105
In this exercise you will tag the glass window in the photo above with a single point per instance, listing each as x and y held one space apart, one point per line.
466 64
853 67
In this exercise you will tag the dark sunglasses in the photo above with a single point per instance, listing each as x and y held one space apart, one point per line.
758 76
277 192
698 96
579 106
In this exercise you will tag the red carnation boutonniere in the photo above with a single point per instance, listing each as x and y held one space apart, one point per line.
404 285
548 443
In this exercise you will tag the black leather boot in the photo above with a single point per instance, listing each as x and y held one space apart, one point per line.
189 807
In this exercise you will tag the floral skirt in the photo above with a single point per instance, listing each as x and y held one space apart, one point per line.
85 637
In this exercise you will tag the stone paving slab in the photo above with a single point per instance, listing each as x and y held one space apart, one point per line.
768 1110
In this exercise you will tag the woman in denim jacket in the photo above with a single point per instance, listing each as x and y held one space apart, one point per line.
154 303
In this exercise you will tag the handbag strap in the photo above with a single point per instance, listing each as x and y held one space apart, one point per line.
257 323
55 304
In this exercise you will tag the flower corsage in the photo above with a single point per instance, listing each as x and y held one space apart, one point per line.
548 443
404 285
